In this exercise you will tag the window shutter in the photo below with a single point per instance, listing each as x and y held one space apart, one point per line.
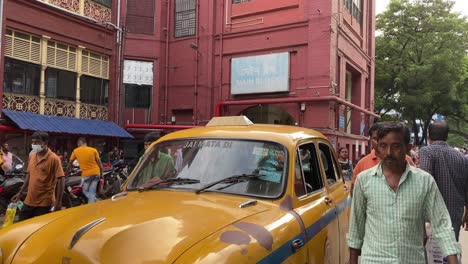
22 46
94 64
61 56
140 16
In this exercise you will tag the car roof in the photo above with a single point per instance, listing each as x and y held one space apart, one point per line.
285 135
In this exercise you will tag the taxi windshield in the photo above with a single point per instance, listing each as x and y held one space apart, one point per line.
254 168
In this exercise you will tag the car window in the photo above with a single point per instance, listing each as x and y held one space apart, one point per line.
210 160
308 177
329 163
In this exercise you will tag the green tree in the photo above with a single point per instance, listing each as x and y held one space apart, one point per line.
421 62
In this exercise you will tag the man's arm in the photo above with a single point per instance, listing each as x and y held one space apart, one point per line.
23 188
438 215
60 185
70 162
99 163
59 191
355 237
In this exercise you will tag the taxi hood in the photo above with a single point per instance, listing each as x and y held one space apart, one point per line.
151 226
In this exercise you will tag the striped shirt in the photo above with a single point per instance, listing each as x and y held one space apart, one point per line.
450 171
388 226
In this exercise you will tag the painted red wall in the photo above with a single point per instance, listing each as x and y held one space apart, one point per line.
322 37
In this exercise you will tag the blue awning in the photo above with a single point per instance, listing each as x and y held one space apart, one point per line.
68 125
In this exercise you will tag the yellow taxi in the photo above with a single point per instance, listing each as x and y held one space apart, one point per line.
229 192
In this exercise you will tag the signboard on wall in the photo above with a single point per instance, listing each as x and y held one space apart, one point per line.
260 74
138 72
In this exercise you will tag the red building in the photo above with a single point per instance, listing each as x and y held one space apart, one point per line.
297 62
59 58
181 62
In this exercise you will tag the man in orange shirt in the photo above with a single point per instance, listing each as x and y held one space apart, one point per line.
372 158
90 165
44 177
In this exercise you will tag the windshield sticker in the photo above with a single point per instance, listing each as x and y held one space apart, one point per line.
208 144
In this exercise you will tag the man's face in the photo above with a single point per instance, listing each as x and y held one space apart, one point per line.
6 147
39 142
344 153
391 149
147 144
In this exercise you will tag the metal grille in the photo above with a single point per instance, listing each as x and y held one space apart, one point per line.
240 1
185 20
107 3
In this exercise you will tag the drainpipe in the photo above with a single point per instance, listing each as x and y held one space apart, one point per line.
166 73
197 42
119 62
335 99
221 47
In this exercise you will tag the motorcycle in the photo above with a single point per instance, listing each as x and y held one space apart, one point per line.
109 185
73 192
111 181
10 184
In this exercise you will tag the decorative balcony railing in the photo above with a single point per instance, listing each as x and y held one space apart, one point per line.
54 107
90 111
59 108
20 102
92 9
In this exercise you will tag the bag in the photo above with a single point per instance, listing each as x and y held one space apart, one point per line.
10 215
434 253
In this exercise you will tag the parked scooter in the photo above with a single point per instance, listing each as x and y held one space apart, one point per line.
10 185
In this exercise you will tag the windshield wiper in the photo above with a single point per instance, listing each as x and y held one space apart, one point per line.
230 180
168 182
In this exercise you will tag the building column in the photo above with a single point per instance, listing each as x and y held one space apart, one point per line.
81 10
42 87
79 57
78 102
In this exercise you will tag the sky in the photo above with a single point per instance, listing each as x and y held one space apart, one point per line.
460 6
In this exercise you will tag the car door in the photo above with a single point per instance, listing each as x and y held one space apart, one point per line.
338 193
314 206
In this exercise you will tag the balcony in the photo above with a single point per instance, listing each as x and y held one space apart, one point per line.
53 107
99 10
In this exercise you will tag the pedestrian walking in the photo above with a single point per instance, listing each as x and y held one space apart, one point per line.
372 159
346 164
389 207
7 158
90 166
450 171
44 179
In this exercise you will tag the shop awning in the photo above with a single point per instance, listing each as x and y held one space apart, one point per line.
67 125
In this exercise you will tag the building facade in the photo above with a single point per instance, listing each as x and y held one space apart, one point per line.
60 58
181 62
296 62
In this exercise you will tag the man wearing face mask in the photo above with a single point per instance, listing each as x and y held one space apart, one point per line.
43 180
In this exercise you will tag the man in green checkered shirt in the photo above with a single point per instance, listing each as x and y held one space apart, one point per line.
389 206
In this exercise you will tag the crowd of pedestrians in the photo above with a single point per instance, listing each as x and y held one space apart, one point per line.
395 194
